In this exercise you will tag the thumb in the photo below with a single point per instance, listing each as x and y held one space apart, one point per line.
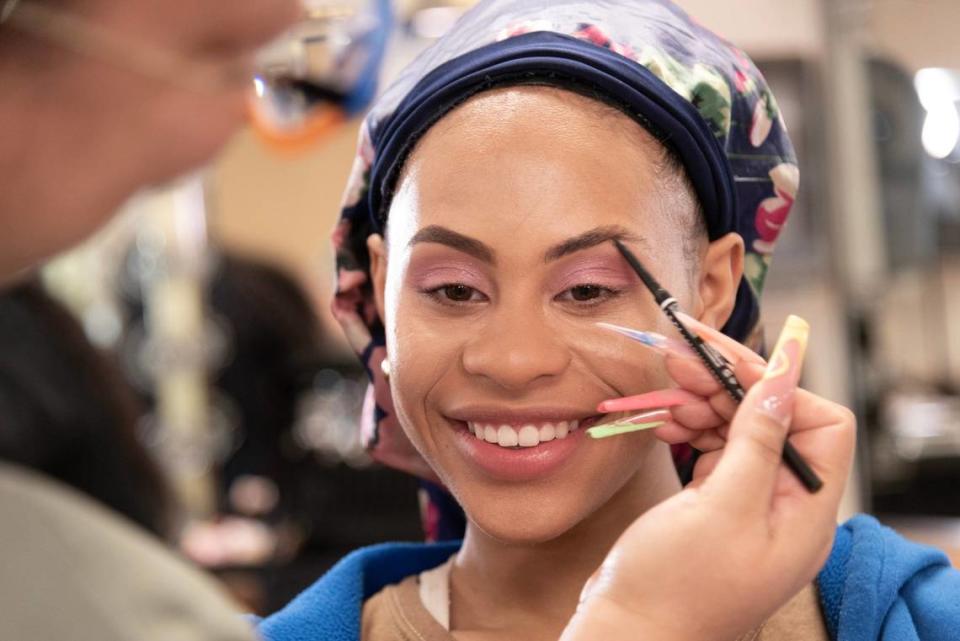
746 474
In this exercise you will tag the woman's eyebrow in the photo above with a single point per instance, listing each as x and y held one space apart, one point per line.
592 238
480 251
454 240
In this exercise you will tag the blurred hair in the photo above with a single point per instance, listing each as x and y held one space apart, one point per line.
275 353
66 411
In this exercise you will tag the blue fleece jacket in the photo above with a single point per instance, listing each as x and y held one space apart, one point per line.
876 586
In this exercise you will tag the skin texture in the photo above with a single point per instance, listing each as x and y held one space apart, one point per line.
522 170
88 133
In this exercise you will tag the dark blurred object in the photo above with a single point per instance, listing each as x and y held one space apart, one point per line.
274 351
915 455
294 490
68 413
319 505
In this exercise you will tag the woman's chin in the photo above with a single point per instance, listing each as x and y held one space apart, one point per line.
527 522
527 535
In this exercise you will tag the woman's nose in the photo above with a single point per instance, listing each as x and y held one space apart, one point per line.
515 351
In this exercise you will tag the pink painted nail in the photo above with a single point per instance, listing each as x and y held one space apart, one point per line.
651 400
648 417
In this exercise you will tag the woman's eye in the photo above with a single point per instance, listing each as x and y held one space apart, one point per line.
585 292
458 293
590 294
455 293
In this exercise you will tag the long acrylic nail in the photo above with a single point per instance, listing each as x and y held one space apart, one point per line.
779 382
651 400
656 342
647 417
613 429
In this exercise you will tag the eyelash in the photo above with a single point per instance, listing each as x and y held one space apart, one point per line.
605 294
437 294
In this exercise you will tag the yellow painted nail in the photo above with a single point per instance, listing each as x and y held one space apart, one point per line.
613 429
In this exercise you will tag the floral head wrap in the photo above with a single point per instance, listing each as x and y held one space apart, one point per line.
700 95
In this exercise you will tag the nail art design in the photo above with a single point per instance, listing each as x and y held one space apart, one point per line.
783 371
613 429
656 342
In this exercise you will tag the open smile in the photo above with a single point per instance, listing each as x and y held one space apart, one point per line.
528 435
520 446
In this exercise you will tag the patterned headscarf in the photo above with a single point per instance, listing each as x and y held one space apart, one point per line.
697 93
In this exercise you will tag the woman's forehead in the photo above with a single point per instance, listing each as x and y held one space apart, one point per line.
529 113
532 154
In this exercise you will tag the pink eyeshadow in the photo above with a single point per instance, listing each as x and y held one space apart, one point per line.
595 271
426 276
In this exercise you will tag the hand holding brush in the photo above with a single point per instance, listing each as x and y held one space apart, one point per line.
717 559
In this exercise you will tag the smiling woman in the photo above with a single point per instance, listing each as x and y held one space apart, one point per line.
475 259
497 263
475 256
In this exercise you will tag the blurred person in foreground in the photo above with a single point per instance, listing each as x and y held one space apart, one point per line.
69 414
81 134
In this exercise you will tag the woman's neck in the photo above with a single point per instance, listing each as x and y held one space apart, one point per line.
517 590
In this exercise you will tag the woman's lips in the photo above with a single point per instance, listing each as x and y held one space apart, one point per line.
497 451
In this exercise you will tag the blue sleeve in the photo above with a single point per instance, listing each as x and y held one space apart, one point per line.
878 586
927 608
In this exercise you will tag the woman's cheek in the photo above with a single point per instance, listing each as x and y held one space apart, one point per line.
424 347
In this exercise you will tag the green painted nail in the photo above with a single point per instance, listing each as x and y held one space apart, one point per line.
612 429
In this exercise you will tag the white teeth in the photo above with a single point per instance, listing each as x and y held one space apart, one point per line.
547 433
507 436
529 436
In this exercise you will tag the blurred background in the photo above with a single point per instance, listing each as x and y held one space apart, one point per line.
206 305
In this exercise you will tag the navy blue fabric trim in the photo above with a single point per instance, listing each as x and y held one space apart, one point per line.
745 315
452 522
544 56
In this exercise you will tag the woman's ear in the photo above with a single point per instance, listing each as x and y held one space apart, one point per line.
378 270
720 272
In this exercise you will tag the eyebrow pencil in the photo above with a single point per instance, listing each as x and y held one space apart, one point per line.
715 362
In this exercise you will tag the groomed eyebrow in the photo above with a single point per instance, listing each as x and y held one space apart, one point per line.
454 240
473 247
592 238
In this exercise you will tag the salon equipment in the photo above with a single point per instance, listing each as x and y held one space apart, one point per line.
321 71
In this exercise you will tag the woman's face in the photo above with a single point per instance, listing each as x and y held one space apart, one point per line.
497 265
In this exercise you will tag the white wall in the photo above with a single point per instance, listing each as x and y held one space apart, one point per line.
764 29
